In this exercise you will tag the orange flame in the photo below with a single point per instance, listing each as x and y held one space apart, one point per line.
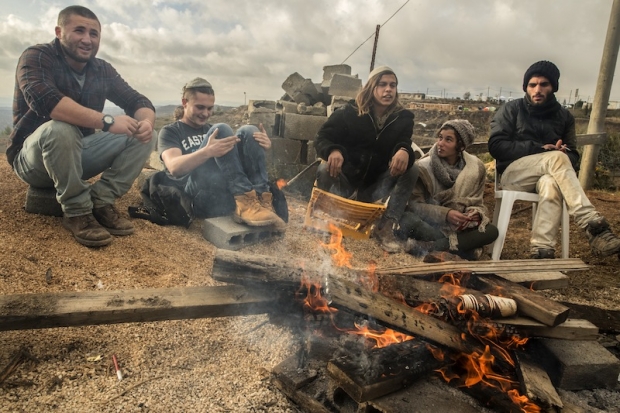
381 339
314 300
340 256
281 183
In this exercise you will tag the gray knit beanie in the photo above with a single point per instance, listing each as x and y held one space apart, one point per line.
465 130
543 68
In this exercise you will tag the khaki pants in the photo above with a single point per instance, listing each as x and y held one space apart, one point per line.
551 175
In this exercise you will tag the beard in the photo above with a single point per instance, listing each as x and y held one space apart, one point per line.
70 51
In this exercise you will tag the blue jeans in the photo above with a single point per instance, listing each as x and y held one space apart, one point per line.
56 155
214 184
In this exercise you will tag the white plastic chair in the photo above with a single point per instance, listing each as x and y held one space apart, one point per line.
504 200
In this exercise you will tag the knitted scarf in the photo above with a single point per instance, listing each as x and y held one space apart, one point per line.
542 111
464 191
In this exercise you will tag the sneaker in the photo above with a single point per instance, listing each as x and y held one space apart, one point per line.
249 211
266 201
419 248
384 232
110 219
602 241
87 231
543 253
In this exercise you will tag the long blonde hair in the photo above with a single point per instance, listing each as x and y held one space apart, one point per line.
365 97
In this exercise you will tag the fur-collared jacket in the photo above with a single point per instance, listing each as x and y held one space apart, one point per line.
432 201
367 150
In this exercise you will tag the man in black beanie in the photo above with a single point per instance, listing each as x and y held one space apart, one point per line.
534 143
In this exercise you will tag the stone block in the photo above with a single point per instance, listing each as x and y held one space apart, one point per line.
318 109
269 119
337 102
301 127
287 107
284 151
578 364
301 90
225 233
265 104
331 70
345 85
42 201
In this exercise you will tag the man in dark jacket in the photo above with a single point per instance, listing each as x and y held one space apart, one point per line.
367 152
534 143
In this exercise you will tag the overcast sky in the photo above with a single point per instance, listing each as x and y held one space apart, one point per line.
247 49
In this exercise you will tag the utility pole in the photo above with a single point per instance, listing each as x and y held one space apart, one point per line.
570 95
374 48
601 96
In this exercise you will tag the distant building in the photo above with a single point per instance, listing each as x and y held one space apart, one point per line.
418 96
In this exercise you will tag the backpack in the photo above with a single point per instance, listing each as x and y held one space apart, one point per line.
164 202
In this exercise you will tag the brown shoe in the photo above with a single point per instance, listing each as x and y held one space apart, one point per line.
384 232
250 211
109 218
266 201
87 231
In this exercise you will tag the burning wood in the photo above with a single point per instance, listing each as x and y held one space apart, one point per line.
453 312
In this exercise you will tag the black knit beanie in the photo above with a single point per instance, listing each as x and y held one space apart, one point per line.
542 68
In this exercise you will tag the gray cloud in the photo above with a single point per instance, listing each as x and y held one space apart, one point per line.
433 45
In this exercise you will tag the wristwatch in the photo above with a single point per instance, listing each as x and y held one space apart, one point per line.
108 121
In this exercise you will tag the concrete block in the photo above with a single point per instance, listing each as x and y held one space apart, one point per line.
284 151
269 119
301 127
337 102
266 104
286 107
225 233
42 201
301 90
330 71
578 365
345 85
318 109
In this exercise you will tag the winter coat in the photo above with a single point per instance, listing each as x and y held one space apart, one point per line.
367 151
517 131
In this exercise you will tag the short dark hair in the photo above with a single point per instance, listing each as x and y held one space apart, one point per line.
67 12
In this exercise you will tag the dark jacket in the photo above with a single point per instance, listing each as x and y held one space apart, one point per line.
367 151
516 131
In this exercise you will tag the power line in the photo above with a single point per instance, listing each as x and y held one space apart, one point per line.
370 37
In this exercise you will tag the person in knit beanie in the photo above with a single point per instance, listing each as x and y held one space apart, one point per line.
446 211
542 68
534 143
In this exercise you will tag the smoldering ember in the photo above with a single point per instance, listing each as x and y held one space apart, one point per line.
362 331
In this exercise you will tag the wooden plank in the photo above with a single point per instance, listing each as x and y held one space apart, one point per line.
608 321
529 303
70 309
488 267
571 329
543 280
268 271
536 384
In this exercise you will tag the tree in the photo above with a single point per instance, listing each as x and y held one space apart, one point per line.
466 95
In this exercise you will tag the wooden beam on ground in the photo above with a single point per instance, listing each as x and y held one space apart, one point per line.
70 309
608 321
536 384
267 271
571 329
488 267
540 280
529 303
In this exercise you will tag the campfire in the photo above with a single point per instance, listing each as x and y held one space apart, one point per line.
366 334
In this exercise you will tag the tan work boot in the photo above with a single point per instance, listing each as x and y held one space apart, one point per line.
250 211
109 218
384 232
87 231
266 201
